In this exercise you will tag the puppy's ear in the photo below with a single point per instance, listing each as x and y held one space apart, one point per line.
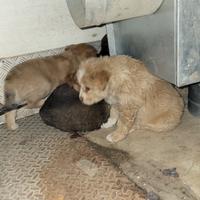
90 52
102 77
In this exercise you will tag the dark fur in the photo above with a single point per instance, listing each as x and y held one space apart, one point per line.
104 47
9 108
65 111
10 105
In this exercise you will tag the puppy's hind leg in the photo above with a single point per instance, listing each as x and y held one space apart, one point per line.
10 102
163 122
10 120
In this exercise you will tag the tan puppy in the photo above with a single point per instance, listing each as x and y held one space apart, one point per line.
32 81
138 99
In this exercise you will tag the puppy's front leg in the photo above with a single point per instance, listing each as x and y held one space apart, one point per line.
125 123
112 120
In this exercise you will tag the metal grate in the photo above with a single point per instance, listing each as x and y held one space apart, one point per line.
38 162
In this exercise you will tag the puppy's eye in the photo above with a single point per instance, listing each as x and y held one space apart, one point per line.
87 89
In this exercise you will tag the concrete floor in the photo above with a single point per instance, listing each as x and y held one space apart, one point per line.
151 153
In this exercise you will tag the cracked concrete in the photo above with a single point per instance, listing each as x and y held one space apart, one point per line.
150 153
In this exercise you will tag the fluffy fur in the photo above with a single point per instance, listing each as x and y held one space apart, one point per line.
138 99
29 83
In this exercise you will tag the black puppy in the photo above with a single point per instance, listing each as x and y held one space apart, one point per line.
65 111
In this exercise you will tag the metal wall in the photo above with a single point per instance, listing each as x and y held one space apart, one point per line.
167 41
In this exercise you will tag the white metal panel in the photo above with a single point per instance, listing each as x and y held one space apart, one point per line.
28 26
95 12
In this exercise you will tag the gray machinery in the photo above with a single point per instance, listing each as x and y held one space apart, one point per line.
165 34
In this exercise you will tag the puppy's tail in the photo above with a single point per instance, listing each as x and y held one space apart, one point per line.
4 109
10 103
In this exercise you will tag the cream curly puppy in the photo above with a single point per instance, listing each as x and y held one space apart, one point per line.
138 99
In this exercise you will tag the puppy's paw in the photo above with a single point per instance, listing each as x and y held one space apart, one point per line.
110 123
109 138
13 127
115 137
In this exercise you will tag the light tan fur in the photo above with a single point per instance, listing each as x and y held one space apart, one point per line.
32 81
138 99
